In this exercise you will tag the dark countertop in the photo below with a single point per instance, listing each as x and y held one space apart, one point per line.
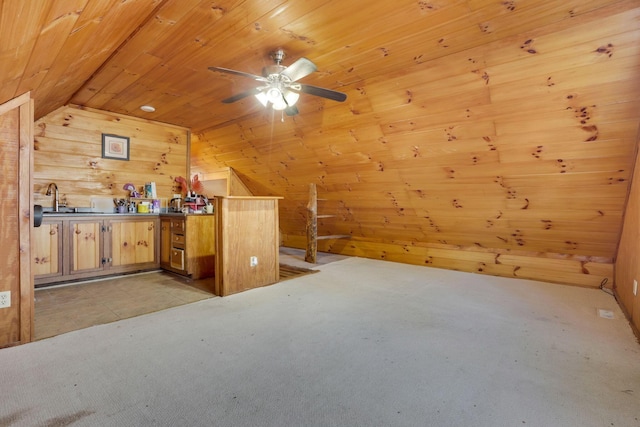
185 214
73 214
80 214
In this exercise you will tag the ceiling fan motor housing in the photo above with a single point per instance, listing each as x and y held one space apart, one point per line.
272 69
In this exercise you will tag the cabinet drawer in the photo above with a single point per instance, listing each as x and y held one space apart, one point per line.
177 258
177 240
177 225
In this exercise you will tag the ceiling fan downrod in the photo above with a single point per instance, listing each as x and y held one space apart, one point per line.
278 56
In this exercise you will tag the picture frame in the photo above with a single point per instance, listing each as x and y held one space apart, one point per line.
115 147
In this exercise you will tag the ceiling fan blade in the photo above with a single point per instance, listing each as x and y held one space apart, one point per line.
299 69
238 73
322 92
241 95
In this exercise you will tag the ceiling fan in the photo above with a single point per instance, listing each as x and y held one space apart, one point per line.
279 85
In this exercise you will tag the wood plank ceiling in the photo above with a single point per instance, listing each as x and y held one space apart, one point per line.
489 126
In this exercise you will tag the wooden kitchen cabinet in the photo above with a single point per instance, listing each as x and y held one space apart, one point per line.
47 249
188 245
133 241
84 247
177 259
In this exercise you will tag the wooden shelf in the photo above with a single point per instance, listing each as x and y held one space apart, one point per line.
312 226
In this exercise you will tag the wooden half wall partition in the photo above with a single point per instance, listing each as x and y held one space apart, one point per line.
247 243
16 210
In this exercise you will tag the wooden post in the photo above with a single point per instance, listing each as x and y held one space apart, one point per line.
312 225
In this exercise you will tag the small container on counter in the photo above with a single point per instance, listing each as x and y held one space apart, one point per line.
143 207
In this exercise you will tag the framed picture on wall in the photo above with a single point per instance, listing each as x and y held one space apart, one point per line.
115 147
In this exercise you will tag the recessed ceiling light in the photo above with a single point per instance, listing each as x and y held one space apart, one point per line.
148 108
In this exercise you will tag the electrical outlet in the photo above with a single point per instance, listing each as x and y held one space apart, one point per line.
635 287
253 261
607 314
5 299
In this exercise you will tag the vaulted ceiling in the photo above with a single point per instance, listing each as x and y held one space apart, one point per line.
480 125
118 55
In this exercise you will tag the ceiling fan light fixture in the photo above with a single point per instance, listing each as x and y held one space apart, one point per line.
277 99
274 95
279 104
262 97
291 97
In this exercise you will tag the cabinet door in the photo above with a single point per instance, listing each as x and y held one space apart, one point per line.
46 250
133 241
86 246
165 241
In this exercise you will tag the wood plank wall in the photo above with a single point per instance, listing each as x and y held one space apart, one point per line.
68 151
510 158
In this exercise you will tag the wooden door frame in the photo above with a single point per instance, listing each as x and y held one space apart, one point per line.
25 208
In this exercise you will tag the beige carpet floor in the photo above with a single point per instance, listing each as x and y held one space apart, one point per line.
361 343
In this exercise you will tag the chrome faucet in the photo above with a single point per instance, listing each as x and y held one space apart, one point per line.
55 195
